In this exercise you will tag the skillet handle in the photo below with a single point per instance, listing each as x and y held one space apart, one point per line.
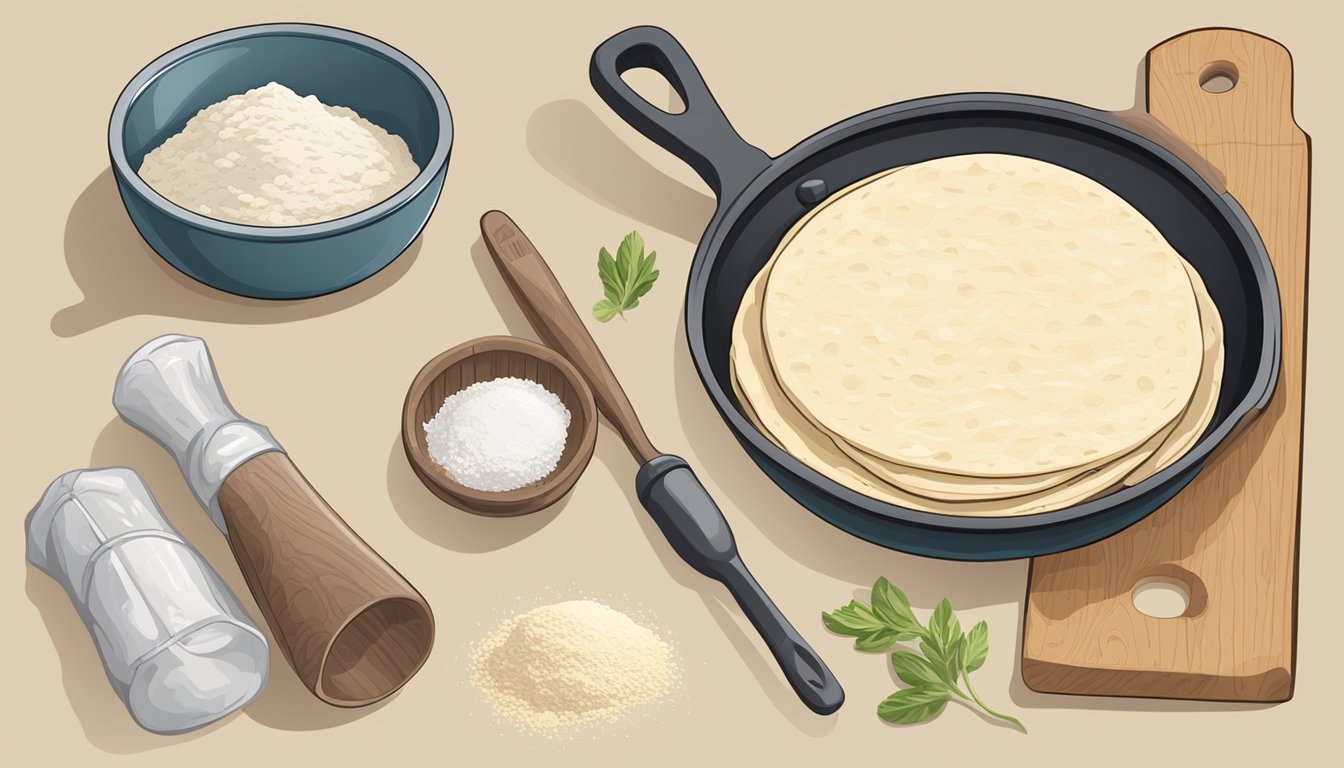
701 135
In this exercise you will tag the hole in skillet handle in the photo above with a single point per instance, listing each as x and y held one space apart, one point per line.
653 87
649 62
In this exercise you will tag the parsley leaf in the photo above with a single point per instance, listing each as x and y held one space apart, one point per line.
625 278
976 648
942 643
861 622
893 607
913 705
916 670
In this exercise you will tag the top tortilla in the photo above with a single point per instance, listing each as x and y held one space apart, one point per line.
984 315
1187 429
771 411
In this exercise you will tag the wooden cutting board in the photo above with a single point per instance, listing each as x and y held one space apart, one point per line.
1230 538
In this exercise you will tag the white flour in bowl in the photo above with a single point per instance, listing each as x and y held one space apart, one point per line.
273 158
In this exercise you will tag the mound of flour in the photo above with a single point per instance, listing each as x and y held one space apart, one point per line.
270 157
572 663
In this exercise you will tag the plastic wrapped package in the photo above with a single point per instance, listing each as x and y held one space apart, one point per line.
178 647
170 391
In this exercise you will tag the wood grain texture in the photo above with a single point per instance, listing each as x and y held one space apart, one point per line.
486 359
1231 536
351 627
549 310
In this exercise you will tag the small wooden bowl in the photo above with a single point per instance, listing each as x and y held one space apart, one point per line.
485 359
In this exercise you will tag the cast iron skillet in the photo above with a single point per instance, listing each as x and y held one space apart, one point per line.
760 197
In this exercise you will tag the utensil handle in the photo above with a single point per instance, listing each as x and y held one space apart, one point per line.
700 135
549 310
807 674
353 629
697 530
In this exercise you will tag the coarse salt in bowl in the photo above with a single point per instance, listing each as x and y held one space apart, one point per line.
489 359
499 435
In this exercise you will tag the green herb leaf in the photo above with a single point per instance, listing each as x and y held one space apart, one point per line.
606 270
945 661
859 621
892 606
877 642
604 310
916 670
935 674
625 277
914 705
942 643
855 620
976 649
944 628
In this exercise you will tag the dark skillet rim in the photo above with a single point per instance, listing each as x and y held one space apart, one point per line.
728 211
121 164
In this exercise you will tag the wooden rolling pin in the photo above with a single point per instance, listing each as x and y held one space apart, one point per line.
665 484
351 627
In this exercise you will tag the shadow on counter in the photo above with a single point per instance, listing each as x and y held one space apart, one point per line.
121 276
285 704
514 319
571 142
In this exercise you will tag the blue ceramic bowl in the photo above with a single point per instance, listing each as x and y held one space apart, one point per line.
340 68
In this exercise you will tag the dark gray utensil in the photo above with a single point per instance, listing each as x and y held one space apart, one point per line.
666 486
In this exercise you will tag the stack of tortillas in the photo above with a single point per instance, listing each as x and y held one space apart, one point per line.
978 335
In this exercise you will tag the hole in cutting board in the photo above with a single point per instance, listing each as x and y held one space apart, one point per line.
1219 77
1161 598
655 89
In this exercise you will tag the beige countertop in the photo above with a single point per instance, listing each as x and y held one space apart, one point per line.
533 139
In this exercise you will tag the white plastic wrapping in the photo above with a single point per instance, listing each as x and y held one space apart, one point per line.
178 647
169 390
